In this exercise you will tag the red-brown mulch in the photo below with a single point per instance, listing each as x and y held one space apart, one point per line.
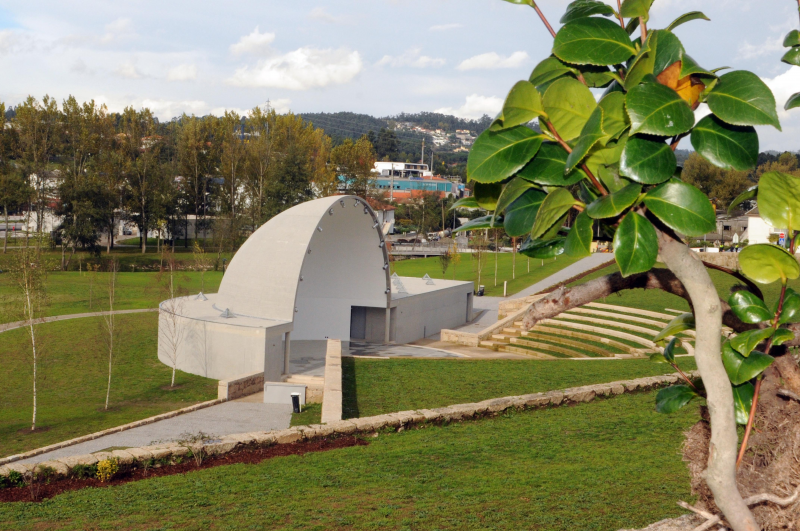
54 487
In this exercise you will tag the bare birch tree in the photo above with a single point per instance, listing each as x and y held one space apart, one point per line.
172 329
108 320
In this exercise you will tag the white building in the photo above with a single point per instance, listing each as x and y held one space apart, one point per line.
758 230
403 170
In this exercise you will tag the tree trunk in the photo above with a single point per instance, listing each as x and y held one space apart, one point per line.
720 475
5 239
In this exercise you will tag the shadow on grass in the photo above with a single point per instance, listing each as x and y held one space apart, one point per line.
349 392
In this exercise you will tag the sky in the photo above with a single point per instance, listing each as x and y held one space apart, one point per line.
378 57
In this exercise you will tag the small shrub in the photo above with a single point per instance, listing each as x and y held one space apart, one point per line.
14 479
107 468
84 471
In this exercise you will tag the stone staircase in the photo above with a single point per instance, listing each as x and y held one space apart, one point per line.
595 330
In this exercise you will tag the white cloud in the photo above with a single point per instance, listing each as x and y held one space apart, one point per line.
783 86
412 58
117 30
12 42
185 72
255 43
81 68
445 27
492 60
319 13
128 70
302 69
769 46
475 107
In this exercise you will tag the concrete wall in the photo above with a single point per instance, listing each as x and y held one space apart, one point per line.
426 314
221 351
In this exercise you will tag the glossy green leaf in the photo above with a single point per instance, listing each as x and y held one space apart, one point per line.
523 104
674 397
680 323
612 205
487 194
585 8
548 70
598 76
792 102
647 160
511 191
743 401
766 263
669 350
607 155
792 39
657 357
611 180
496 156
594 41
741 98
568 103
668 51
686 17
484 222
547 168
555 205
792 57
790 312
689 67
724 145
615 119
682 207
745 342
465 202
747 195
635 8
658 110
579 239
521 2
782 335
779 200
643 62
749 307
741 369
591 133
635 245
521 214
542 248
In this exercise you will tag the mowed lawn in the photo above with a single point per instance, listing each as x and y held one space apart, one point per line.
72 381
599 466
508 266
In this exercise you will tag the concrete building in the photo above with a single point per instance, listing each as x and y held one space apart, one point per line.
316 271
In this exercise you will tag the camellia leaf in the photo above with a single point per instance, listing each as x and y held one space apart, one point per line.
555 205
658 357
635 245
511 191
579 239
568 103
689 67
743 401
745 342
607 155
674 397
668 51
682 322
779 200
730 147
635 8
686 17
598 76
496 156
593 41
766 263
542 248
615 119
466 202
548 70
547 167
523 104
669 350
521 214
591 133
611 179
747 195
741 369
658 110
682 207
792 102
487 194
484 222
749 307
741 98
644 61
792 57
585 8
790 312
792 39
647 160
782 335
612 205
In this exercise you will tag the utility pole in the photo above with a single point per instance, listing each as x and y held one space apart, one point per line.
422 159
391 185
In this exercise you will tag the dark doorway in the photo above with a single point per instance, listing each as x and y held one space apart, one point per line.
358 322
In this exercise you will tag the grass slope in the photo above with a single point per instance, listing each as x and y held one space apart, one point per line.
467 270
72 381
373 387
598 466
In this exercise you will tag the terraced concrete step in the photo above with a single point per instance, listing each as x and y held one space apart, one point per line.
589 337
602 330
512 331
627 309
557 337
493 345
548 347
527 352
501 338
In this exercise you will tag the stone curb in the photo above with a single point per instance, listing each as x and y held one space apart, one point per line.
399 420
109 431
332 390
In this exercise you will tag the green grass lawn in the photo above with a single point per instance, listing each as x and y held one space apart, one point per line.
72 381
598 466
466 269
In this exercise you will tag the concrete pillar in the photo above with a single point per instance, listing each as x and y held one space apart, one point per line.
287 342
388 325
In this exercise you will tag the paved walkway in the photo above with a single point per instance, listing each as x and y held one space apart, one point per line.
19 324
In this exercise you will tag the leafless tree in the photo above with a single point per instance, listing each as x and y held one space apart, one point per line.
172 329
108 320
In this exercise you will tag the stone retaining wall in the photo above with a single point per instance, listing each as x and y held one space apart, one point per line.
332 393
404 419
240 386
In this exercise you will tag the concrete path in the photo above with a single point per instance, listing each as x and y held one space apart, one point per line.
19 324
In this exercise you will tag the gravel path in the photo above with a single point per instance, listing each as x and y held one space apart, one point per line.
19 324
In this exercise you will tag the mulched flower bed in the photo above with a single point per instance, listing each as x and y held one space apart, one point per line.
53 487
